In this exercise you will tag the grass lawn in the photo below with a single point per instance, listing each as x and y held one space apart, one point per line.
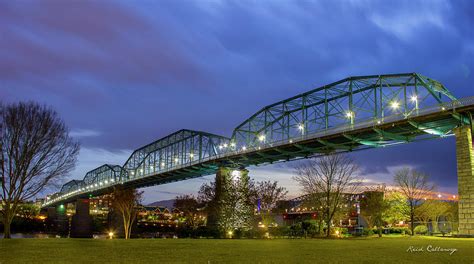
363 250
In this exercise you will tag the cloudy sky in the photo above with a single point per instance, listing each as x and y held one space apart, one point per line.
124 73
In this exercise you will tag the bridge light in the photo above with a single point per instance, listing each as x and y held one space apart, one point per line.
261 138
232 144
95 185
395 105
301 127
162 164
414 98
225 145
112 180
141 170
191 155
439 195
220 147
176 159
443 108
106 181
291 140
244 148
349 114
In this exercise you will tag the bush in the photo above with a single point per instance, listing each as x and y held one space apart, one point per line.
399 230
279 231
368 232
421 230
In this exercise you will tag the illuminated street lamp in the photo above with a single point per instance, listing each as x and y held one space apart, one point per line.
394 105
301 128
350 116
414 99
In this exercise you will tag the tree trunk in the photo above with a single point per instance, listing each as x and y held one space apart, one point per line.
328 231
6 229
125 225
7 222
412 223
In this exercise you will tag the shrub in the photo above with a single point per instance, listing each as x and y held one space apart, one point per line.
368 232
279 231
421 230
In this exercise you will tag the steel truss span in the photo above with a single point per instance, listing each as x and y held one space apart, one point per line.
350 114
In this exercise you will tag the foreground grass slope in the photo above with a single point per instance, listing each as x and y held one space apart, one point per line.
368 250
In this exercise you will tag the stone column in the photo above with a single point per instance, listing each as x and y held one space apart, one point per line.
465 164
81 224
61 221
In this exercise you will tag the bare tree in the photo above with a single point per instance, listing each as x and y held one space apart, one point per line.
330 178
267 194
125 201
36 151
415 186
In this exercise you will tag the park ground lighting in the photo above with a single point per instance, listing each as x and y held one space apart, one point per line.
111 235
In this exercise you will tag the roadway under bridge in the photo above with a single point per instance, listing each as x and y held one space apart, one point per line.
355 113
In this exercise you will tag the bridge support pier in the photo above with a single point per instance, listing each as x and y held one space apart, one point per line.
81 223
57 220
465 166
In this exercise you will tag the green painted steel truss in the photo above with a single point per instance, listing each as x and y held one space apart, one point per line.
348 101
351 114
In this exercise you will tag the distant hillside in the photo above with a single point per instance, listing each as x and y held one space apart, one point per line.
164 203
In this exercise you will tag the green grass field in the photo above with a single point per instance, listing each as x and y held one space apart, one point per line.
363 250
